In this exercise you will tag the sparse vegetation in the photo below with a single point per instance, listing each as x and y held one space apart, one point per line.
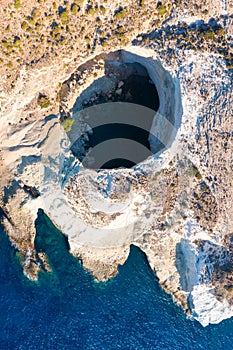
208 34
38 29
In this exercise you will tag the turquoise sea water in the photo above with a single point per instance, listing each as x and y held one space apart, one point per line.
67 309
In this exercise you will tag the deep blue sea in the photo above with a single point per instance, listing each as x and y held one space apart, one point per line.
67 309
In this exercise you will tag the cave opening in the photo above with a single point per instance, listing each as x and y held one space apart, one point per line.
126 112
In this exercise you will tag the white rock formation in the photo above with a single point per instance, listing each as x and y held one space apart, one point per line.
175 205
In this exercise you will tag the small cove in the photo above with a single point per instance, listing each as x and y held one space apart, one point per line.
67 309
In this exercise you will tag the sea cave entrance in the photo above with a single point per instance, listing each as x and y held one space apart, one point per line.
116 121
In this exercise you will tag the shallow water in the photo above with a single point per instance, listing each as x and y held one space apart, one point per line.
67 309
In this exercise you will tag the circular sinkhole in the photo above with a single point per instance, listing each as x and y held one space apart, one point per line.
125 116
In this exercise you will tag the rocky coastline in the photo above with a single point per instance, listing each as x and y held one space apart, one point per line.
176 204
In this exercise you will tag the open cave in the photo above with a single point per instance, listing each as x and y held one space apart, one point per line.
117 118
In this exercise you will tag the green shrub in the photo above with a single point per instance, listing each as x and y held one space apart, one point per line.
5 43
38 25
17 4
102 34
67 124
124 40
35 13
90 11
30 30
142 3
103 43
87 39
31 20
43 101
74 9
162 10
121 30
121 14
17 41
64 16
56 30
195 172
24 25
102 10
